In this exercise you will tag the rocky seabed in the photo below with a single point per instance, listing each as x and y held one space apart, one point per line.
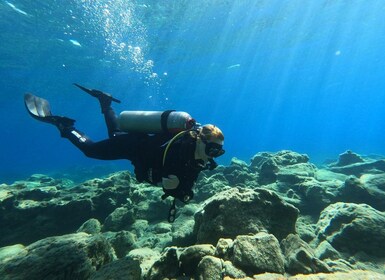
276 217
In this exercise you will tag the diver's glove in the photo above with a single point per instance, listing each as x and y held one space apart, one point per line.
186 196
211 164
182 195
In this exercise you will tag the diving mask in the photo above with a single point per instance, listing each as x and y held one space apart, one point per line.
213 149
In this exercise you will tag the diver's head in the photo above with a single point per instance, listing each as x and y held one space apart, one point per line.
212 141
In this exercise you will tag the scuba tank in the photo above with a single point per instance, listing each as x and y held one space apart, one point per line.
155 121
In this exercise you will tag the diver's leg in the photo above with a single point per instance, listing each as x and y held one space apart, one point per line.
111 120
105 101
119 147
124 146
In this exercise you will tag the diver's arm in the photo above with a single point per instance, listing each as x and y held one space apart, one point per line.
174 180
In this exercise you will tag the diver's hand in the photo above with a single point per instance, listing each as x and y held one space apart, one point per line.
170 183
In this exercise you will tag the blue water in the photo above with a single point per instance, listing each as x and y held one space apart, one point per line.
272 74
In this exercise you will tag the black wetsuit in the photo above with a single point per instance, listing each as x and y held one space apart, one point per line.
146 154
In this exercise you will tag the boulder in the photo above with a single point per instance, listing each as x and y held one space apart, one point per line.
183 227
210 183
281 158
374 186
369 189
296 173
238 174
308 195
146 258
243 211
325 175
121 218
224 248
351 228
191 256
167 266
148 204
326 251
122 242
92 226
210 268
122 269
306 228
350 163
216 269
45 209
8 252
348 158
258 253
268 164
73 256
300 257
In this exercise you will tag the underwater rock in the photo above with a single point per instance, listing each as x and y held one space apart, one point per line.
136 229
182 230
214 268
300 257
309 196
339 265
224 248
315 195
151 239
281 158
244 211
42 181
268 164
183 235
148 204
325 175
191 256
326 251
296 173
122 242
210 268
306 228
73 256
348 158
351 228
56 210
353 164
151 236
369 189
162 228
210 183
228 269
146 258
92 226
122 269
121 218
364 261
238 174
258 253
9 252
167 266
375 186
358 274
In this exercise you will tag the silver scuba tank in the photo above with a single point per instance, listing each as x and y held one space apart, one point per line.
155 121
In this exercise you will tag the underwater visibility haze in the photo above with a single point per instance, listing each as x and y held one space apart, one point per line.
274 75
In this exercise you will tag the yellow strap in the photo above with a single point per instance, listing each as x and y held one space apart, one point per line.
169 144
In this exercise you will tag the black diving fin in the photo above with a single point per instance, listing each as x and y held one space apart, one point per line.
97 93
39 109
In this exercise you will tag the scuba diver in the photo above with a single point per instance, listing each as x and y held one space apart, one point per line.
167 149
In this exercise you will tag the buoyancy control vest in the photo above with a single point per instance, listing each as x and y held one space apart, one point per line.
155 121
